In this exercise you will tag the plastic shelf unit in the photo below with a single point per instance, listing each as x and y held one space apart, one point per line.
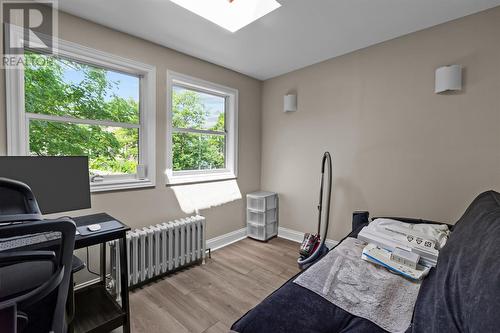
262 215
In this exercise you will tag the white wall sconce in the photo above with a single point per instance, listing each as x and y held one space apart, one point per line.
290 103
448 78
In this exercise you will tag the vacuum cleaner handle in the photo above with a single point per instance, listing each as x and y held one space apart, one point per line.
326 162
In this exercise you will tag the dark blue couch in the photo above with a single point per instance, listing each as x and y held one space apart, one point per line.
462 294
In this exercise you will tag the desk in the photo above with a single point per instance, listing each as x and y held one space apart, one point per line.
95 309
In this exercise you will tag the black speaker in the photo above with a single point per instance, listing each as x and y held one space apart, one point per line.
360 219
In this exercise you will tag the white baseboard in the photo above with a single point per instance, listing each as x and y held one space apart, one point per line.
226 239
297 236
237 235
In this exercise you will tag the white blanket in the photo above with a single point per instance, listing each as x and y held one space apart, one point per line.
397 230
361 288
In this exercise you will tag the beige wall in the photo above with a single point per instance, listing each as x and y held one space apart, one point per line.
144 207
398 148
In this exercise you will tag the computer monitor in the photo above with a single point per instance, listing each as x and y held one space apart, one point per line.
60 184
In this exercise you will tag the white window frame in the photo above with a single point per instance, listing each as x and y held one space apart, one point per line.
231 129
18 119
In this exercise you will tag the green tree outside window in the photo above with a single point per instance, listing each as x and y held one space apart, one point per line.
111 150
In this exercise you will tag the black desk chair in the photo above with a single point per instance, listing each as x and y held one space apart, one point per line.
33 283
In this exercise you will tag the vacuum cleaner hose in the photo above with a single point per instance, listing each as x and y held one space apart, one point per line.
326 163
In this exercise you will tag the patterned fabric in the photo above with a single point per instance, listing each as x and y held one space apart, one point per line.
361 288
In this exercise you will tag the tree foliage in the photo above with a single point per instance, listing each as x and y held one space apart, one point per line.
195 151
110 149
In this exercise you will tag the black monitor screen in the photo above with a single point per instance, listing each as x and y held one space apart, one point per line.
60 184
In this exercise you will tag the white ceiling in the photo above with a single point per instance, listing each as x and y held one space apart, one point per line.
300 33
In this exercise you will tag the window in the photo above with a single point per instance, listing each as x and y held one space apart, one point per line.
83 102
202 130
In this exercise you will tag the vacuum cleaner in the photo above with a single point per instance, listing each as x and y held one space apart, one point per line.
313 246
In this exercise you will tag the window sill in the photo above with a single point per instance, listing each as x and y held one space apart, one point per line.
198 178
119 185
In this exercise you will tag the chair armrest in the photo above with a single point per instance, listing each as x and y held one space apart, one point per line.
9 258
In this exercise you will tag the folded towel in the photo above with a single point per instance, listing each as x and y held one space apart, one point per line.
361 288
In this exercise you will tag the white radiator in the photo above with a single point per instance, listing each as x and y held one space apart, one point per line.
158 249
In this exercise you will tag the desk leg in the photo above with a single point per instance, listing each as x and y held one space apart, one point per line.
103 263
124 282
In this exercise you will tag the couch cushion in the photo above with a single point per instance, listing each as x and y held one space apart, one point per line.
463 292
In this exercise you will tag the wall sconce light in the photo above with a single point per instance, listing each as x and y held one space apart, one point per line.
290 103
448 78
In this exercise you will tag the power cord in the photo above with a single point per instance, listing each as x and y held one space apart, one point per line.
108 276
88 264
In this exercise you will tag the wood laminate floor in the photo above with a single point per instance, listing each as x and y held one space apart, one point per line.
209 298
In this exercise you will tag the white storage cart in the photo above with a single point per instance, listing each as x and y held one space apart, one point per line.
262 215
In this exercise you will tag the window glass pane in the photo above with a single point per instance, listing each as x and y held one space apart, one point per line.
57 86
194 151
111 150
197 110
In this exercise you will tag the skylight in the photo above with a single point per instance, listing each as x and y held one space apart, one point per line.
230 14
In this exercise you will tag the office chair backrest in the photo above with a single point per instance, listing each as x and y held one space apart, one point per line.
17 202
23 300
